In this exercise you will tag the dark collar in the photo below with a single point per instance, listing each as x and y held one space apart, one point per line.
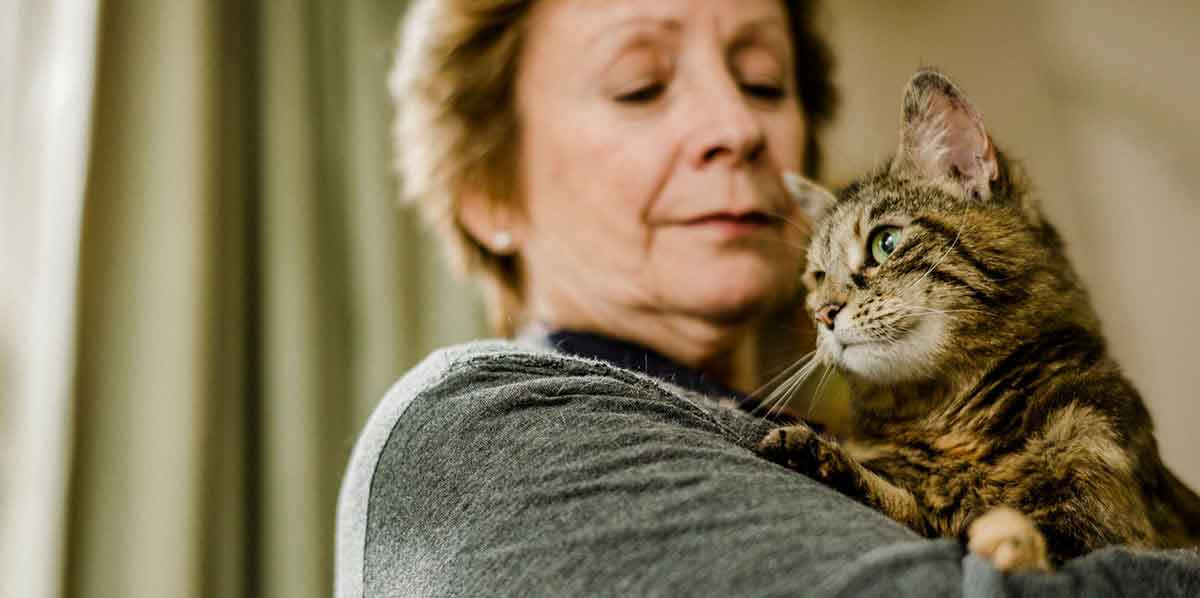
635 357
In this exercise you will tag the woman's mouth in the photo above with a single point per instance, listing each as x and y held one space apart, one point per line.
734 225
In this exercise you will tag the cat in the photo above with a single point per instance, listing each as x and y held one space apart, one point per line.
986 405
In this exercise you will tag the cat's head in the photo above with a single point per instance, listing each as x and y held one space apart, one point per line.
937 260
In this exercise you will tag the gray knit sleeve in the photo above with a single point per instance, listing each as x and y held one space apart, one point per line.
493 470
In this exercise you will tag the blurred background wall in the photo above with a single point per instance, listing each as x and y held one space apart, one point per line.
195 321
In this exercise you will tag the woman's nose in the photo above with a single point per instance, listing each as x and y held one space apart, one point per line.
828 312
730 131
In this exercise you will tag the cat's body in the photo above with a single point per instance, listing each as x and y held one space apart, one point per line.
979 375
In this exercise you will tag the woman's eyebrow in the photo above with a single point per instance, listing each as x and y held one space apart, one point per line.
761 23
768 26
616 29
754 32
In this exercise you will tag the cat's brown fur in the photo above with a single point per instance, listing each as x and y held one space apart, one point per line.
979 374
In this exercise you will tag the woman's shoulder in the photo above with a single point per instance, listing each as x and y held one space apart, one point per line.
480 380
480 390
474 371
505 411
476 367
461 376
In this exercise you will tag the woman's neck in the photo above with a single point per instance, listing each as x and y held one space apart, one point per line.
727 355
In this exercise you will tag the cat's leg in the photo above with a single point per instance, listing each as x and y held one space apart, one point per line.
802 449
1081 489
1089 515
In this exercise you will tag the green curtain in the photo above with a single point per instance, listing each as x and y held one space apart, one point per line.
249 289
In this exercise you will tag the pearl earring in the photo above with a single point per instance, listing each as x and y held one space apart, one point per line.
502 242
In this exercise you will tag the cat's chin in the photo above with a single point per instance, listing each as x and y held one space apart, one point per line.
877 363
887 362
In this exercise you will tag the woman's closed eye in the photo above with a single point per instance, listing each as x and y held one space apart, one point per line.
765 91
760 71
645 94
642 94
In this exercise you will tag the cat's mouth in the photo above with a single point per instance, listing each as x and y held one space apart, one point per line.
846 340
870 359
835 344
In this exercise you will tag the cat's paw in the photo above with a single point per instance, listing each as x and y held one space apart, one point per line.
789 446
803 449
1009 539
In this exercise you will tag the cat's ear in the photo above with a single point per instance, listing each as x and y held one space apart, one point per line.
942 138
813 199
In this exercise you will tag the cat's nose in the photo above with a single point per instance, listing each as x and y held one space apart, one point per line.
826 313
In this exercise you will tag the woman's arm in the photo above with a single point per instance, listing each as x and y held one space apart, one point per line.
491 470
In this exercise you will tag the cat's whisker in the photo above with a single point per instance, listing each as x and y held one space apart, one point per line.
776 401
816 395
888 333
789 373
923 310
778 398
909 313
768 402
807 375
787 370
812 404
948 313
799 382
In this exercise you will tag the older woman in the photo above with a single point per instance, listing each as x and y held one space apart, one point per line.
611 170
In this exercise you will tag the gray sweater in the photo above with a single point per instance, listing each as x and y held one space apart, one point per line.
497 469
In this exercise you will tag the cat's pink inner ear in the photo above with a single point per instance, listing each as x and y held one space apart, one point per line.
970 156
944 138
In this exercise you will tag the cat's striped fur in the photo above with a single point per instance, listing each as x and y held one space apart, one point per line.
980 377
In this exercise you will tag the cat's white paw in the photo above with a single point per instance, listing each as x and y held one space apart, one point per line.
1009 539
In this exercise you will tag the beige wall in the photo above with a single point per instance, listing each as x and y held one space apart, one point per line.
1100 99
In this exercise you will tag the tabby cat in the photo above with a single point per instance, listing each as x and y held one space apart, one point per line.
986 404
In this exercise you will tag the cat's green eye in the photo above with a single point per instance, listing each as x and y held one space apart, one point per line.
883 242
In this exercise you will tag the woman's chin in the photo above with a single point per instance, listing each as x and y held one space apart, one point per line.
734 297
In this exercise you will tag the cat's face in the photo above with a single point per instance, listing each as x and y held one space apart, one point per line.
893 286
873 311
934 259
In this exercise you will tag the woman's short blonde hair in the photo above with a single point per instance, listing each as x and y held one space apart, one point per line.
457 126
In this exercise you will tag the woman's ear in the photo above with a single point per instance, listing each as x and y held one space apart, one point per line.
493 224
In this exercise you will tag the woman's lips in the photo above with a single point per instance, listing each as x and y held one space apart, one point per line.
733 224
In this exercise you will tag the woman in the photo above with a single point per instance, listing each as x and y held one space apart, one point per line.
611 171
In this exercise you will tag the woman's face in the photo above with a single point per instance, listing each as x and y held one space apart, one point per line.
653 138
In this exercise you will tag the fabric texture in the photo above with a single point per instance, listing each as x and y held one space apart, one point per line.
508 470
